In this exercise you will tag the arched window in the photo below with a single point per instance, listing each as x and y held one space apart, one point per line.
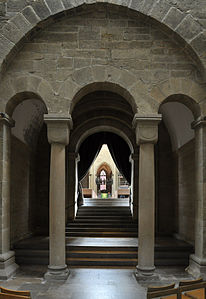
103 179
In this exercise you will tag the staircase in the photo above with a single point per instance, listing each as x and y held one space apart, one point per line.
115 227
103 234
102 222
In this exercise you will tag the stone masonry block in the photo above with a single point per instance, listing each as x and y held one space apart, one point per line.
83 76
68 89
136 5
22 23
41 9
68 4
157 95
99 73
173 17
11 32
147 7
126 79
133 53
6 45
30 15
89 33
199 43
160 9
188 28
55 6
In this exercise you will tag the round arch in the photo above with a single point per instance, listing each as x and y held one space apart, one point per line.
107 78
36 13
184 91
92 129
24 88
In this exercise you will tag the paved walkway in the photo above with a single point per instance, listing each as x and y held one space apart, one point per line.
91 283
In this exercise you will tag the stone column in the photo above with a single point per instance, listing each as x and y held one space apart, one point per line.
7 260
146 137
58 128
197 266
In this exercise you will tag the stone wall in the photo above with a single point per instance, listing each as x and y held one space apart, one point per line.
102 36
186 192
22 190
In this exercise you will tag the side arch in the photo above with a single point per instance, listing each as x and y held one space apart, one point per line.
15 90
181 90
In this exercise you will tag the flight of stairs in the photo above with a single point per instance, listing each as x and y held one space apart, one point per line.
103 234
102 222
111 224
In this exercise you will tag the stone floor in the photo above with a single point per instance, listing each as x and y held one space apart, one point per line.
91 283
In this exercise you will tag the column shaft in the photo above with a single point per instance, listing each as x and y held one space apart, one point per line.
57 206
7 260
146 209
146 137
58 136
197 265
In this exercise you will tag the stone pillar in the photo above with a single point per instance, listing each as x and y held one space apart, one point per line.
146 136
7 260
197 266
58 128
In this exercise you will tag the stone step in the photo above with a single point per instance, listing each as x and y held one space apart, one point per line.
101 229
103 221
108 217
100 234
99 224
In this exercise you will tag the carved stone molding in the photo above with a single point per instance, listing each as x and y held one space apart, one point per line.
58 128
146 127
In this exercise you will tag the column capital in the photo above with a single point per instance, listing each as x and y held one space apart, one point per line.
199 122
146 127
6 120
58 127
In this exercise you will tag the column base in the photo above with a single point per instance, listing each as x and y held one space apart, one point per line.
57 273
197 267
8 267
146 273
